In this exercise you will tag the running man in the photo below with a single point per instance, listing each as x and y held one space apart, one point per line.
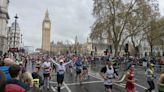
60 69
161 82
150 77
109 75
78 65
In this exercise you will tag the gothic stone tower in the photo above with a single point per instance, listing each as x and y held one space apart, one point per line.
46 30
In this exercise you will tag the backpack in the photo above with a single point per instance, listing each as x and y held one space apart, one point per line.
5 70
78 63
2 76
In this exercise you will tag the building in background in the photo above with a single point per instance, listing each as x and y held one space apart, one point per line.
58 48
4 17
11 31
29 49
46 31
95 47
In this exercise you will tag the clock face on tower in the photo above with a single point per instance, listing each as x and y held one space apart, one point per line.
47 25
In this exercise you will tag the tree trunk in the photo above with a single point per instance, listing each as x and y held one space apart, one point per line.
116 49
151 50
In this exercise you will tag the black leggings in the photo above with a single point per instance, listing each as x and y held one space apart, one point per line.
151 84
60 78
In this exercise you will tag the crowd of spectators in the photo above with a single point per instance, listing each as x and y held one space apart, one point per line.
15 78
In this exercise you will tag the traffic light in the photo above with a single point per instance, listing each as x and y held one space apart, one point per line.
110 47
91 53
126 47
106 52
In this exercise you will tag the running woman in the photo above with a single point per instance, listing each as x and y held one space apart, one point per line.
46 72
109 75
130 84
60 69
85 69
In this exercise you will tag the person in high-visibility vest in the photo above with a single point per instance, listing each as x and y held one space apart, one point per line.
150 77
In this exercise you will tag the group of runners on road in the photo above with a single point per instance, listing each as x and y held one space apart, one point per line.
43 67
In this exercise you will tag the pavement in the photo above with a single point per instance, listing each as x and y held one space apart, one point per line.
94 83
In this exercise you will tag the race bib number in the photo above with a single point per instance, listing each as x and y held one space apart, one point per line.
46 70
109 81
61 72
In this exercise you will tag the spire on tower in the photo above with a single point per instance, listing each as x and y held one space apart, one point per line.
47 15
76 40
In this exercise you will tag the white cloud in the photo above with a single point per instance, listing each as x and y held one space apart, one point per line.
68 17
161 6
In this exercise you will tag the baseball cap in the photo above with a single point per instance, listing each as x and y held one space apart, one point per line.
61 60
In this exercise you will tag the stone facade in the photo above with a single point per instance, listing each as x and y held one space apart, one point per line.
58 48
4 17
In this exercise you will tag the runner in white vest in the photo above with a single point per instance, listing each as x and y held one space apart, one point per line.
109 75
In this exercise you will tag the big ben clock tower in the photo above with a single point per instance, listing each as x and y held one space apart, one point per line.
46 30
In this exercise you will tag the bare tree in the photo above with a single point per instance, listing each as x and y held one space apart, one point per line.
112 16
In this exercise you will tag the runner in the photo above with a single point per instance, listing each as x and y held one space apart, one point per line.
85 75
38 64
78 65
60 69
150 77
109 75
46 72
161 82
70 67
130 84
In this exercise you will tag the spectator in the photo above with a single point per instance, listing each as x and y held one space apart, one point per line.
2 77
35 76
27 79
5 69
15 85
33 89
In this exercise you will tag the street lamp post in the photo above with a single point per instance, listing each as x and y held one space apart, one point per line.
16 17
21 38
163 45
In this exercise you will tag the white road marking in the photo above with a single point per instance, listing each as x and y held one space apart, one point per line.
95 76
66 86
84 83
120 85
140 86
54 88
52 82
